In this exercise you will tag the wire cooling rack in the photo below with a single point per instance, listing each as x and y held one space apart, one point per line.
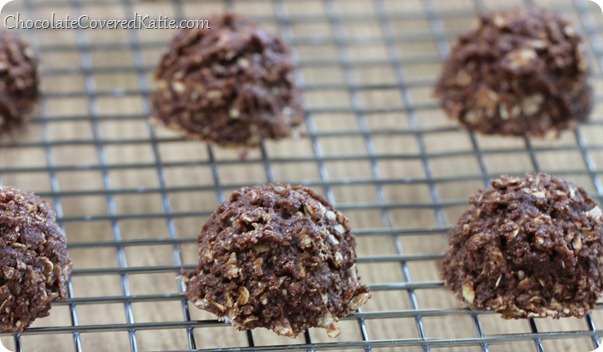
132 198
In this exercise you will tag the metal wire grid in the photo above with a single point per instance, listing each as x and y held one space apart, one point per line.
365 335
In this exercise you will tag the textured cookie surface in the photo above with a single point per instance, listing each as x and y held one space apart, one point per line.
34 267
19 81
231 84
521 72
278 257
528 247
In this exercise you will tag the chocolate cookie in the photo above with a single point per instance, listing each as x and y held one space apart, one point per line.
521 72
19 81
34 267
231 84
278 257
528 247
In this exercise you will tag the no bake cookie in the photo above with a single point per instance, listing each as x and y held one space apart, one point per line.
278 257
34 266
232 84
19 81
528 247
521 72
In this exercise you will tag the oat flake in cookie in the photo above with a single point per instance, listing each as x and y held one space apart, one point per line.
19 81
231 84
277 257
521 72
33 259
528 247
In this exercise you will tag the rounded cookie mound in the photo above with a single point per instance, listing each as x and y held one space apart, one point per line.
231 84
278 257
19 81
34 267
521 72
528 247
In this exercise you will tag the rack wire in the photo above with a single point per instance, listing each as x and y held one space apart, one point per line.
132 197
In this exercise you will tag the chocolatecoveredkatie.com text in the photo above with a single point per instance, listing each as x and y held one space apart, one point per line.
138 21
